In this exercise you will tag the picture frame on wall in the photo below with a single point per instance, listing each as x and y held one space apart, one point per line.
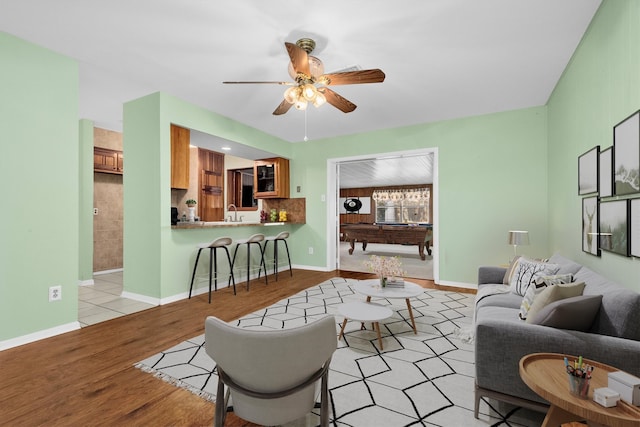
614 226
588 171
635 227
626 155
590 225
605 166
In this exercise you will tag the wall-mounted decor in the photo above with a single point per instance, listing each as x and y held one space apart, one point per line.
605 182
614 226
357 205
590 224
635 227
588 171
626 155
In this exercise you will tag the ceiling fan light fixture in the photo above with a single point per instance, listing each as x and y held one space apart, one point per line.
291 95
316 67
309 92
319 100
301 104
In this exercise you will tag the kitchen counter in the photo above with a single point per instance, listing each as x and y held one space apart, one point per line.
219 224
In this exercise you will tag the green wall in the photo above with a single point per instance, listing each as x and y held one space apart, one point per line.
492 178
515 169
157 259
85 211
599 88
39 169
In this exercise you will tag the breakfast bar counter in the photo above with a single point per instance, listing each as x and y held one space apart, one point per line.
219 224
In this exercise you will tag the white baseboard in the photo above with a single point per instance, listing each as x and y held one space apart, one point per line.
86 282
40 335
115 270
142 298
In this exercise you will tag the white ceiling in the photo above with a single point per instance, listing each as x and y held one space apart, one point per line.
443 59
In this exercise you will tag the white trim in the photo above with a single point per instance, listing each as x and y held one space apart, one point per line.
40 335
141 298
86 282
332 209
115 270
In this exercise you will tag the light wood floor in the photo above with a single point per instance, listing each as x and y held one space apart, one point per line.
87 378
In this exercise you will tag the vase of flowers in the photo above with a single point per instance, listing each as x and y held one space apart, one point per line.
384 267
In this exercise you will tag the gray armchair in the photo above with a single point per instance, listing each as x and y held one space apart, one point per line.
271 375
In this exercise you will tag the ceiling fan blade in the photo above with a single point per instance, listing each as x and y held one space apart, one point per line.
341 103
260 83
353 77
299 58
282 108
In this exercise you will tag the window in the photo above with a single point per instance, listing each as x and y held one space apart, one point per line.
402 206
240 189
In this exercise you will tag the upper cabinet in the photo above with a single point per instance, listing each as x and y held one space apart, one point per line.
107 160
180 157
271 178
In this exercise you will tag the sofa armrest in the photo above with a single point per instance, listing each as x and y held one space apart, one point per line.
490 274
501 344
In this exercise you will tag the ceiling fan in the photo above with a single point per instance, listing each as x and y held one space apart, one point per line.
310 85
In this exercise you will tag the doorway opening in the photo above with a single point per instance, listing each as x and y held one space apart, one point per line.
354 180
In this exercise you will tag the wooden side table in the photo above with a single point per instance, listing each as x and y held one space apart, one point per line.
545 374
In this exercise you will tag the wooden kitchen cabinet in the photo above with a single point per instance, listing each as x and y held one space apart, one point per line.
180 138
211 185
271 178
106 160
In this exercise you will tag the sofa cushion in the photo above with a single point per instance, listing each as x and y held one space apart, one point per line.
552 294
575 313
619 314
525 270
539 284
567 266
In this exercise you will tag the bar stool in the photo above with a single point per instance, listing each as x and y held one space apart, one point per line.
254 239
281 237
219 243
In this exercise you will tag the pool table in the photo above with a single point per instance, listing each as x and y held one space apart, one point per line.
400 234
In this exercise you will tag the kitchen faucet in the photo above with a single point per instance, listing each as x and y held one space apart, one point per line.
235 212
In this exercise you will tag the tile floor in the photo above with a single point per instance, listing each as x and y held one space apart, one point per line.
102 301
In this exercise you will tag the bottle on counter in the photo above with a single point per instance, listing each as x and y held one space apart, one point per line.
274 215
282 217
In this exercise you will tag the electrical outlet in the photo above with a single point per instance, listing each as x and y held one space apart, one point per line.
323 198
95 211
298 189
310 250
55 293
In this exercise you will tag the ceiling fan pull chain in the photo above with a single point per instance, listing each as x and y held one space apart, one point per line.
305 126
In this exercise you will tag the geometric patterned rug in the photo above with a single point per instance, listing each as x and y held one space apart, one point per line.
423 379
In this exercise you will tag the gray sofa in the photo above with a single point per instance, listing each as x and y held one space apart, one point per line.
502 339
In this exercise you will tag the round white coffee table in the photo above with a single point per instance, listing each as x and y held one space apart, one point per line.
371 288
364 312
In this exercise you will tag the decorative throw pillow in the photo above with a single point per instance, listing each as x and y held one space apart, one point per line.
509 272
540 283
575 313
525 270
552 294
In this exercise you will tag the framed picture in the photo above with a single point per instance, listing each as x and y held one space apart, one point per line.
588 171
626 155
590 225
635 227
614 226
605 180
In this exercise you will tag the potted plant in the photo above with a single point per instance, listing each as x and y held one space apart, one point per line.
191 203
